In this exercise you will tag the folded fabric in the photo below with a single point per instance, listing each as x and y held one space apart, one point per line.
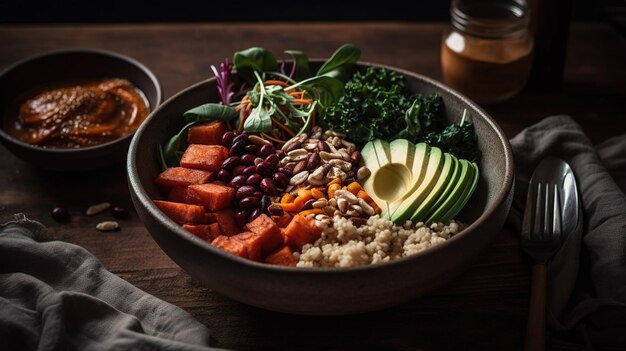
57 296
586 293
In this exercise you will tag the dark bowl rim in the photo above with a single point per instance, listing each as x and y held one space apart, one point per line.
149 205
126 138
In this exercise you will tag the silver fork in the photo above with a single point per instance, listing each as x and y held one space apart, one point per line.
541 239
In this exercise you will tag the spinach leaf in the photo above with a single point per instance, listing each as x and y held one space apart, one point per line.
210 112
341 64
330 89
259 121
254 59
301 62
411 118
175 147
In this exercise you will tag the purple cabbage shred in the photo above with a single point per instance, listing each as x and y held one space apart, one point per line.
224 85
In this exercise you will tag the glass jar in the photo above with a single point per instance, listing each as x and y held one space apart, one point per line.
487 54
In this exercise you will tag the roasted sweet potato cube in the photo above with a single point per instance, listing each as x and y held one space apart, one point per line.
301 231
268 230
202 231
226 220
234 246
213 197
207 133
253 242
282 257
182 177
205 157
181 213
178 194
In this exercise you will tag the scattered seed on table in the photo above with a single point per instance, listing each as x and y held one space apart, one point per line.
107 226
97 208
59 213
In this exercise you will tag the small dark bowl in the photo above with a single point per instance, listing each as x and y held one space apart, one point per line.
317 291
66 66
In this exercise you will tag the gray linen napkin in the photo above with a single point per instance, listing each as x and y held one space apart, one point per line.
586 298
57 296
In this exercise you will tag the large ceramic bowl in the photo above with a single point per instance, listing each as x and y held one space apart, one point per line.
72 65
317 291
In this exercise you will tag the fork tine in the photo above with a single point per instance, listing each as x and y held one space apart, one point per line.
556 219
538 215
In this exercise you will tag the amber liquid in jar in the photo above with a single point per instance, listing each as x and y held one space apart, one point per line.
488 54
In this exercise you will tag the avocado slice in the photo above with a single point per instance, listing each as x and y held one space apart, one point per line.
370 160
402 209
471 186
418 174
448 172
445 194
455 193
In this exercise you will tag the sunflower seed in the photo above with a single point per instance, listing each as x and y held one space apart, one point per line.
299 178
97 208
258 140
363 173
107 226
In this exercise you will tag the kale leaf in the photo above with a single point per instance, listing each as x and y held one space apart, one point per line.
378 104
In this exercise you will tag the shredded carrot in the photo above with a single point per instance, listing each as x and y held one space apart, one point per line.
302 101
244 115
276 82
283 127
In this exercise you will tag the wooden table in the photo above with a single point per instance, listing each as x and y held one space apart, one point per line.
485 308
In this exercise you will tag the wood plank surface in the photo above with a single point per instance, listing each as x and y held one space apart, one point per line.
485 308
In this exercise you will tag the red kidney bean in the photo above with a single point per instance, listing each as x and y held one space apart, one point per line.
252 148
241 218
266 150
254 179
272 159
231 162
59 213
238 181
223 175
241 137
280 179
249 202
258 194
286 171
248 159
237 148
274 210
119 212
255 213
248 171
227 139
238 170
268 186
244 191
265 201
265 169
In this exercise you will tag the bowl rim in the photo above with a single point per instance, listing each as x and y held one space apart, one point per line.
93 51
141 194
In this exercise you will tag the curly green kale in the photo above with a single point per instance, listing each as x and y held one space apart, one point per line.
377 104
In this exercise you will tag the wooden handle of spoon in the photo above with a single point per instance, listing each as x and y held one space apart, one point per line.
536 327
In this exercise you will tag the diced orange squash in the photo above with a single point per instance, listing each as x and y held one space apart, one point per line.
181 213
178 194
301 231
214 229
181 176
253 243
282 257
207 133
206 157
226 220
213 197
234 246
282 220
268 231
202 231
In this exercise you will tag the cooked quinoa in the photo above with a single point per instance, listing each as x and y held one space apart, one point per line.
344 245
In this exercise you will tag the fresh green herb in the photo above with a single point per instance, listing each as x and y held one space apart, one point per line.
210 112
342 63
176 146
300 68
254 59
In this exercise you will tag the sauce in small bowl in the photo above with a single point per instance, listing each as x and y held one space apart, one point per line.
75 109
